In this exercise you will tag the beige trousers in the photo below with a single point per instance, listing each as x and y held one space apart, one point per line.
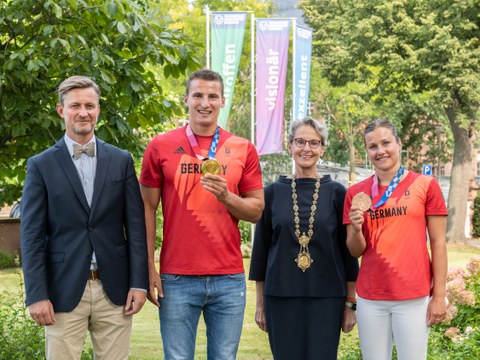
109 329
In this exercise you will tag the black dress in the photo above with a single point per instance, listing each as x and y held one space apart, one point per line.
304 310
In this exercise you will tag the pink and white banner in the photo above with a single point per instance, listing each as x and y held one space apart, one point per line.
271 71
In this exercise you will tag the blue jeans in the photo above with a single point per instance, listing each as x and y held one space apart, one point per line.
222 299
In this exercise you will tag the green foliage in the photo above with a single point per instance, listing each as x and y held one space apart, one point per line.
412 45
87 353
245 228
20 337
425 52
345 110
476 217
420 123
190 16
159 231
459 336
348 102
349 347
245 231
7 260
274 165
117 43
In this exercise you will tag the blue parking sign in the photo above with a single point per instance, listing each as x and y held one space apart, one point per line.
427 170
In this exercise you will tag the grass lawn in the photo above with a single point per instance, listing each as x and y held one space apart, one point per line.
146 342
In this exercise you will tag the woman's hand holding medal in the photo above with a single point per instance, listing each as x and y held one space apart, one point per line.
361 202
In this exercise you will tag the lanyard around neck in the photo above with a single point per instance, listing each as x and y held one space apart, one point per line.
194 144
393 184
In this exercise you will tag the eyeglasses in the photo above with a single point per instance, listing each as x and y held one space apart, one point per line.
313 144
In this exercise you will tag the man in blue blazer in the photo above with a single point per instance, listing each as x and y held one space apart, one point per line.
83 240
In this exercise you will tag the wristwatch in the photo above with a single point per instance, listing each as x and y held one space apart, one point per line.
352 305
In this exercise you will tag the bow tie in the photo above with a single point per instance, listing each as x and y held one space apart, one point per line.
88 149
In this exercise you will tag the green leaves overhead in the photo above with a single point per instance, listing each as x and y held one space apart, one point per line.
427 58
117 43
431 44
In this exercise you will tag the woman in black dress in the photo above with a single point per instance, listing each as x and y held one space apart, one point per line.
305 276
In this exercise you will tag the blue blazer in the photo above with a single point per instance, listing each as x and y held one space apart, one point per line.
59 231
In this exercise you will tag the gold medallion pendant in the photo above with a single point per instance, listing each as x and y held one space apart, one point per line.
304 260
211 166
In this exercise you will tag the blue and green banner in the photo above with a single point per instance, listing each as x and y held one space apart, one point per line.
228 30
303 55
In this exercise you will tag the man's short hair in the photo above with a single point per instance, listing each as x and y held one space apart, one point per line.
76 82
205 74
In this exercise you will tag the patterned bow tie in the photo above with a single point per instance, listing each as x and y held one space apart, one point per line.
88 149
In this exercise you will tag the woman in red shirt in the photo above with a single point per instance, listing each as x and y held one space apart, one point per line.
401 289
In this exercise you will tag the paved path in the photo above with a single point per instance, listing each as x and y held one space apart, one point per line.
474 242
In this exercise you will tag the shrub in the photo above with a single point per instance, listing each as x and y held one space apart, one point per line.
8 260
20 337
458 337
245 231
476 217
159 231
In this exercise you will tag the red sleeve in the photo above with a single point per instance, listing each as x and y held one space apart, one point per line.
252 175
347 204
435 204
151 174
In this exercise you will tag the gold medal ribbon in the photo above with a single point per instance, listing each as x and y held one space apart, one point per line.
210 165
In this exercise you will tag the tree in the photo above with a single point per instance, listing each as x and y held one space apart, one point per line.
420 47
115 42
346 109
190 17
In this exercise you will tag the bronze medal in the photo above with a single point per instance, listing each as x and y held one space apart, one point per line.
211 166
362 200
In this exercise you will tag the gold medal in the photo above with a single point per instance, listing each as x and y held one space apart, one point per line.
211 166
303 260
362 201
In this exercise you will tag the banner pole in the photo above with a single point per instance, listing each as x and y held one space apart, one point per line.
207 47
294 49
252 97
252 80
294 93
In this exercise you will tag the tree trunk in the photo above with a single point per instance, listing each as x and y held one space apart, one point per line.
352 177
474 187
459 181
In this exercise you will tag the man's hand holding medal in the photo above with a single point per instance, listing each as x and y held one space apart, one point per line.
211 181
215 184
